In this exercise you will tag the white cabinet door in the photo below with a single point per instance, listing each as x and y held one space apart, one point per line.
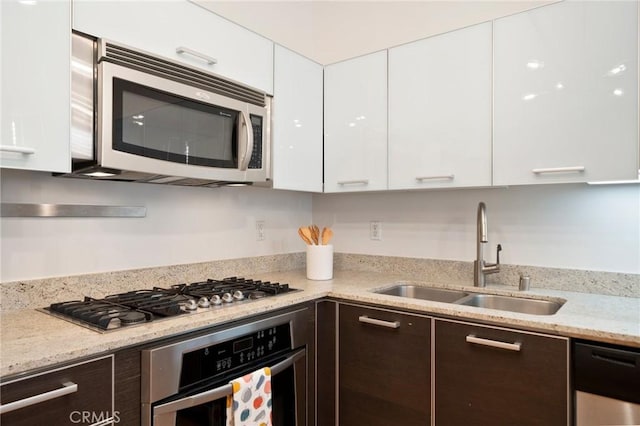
440 111
566 93
297 122
355 113
36 74
161 27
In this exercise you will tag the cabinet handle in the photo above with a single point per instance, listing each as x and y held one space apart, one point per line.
381 323
208 59
559 170
354 182
442 177
66 389
494 343
18 149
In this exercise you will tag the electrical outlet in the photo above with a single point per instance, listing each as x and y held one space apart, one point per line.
260 230
375 230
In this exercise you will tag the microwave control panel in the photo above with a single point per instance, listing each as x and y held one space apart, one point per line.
256 155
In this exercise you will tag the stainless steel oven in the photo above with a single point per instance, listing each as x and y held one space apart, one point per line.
187 382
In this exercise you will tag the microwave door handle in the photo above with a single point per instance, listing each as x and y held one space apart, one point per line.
220 392
248 143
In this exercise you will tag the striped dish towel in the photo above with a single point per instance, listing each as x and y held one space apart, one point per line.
250 403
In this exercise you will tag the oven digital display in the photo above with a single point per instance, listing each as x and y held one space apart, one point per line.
242 345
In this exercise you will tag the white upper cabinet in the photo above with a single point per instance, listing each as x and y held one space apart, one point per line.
355 114
440 111
566 93
162 27
297 122
35 85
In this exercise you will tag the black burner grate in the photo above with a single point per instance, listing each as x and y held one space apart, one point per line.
102 314
140 306
158 301
211 287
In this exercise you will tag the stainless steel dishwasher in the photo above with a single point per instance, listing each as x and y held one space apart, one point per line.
607 384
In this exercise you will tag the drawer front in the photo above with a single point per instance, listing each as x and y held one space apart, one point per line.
487 375
384 367
91 402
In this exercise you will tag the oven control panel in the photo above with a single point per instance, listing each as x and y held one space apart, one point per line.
226 356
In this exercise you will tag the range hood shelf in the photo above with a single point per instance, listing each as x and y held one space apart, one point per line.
70 210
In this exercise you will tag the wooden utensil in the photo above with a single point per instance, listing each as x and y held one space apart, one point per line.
327 234
315 234
305 234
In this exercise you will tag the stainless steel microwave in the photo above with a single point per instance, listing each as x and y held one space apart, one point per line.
139 117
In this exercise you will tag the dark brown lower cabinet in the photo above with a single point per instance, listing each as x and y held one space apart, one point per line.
79 394
326 314
383 368
493 376
127 387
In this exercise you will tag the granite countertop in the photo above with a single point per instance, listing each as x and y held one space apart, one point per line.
32 339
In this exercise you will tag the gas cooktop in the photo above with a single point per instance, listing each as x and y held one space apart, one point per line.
142 306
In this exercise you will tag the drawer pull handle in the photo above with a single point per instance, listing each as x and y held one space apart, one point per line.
354 182
18 149
494 343
208 59
381 323
66 389
578 169
441 177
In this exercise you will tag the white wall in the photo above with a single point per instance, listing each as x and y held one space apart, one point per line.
564 226
183 225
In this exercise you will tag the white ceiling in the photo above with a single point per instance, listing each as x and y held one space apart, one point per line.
328 31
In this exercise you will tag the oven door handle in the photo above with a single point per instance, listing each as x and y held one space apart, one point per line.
287 362
220 392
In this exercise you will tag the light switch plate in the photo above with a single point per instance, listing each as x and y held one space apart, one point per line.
260 232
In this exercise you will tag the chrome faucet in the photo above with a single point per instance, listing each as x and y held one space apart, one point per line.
480 267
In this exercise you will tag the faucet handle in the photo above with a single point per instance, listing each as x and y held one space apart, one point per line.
498 250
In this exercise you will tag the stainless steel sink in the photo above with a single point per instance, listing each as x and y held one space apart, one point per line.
478 300
513 304
426 293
